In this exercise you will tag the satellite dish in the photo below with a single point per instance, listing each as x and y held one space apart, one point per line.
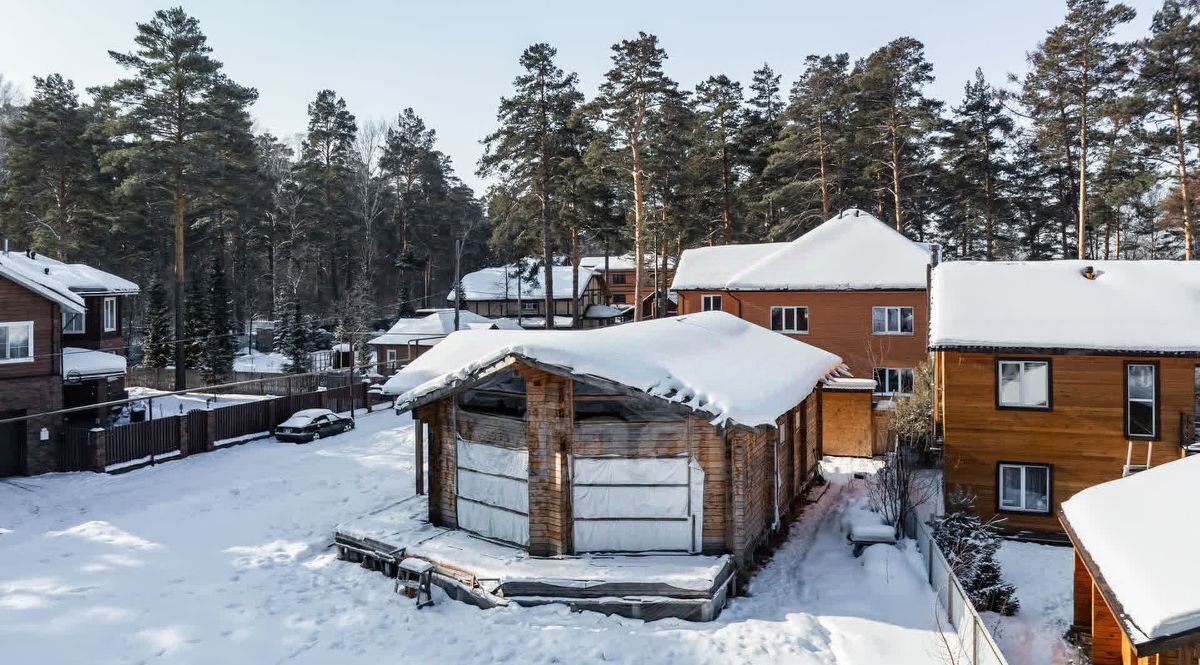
73 378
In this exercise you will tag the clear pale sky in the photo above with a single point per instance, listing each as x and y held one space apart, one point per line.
452 60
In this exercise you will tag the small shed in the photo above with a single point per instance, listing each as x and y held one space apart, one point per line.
847 417
1136 578
694 434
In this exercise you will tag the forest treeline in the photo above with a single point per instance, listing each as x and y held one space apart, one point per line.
161 176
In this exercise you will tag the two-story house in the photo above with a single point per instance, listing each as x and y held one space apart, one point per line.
60 346
408 338
619 274
1054 376
499 292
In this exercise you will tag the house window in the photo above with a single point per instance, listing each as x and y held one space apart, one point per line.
529 306
618 278
110 314
892 320
789 319
1025 488
710 303
893 380
618 298
16 342
1141 400
73 323
1023 384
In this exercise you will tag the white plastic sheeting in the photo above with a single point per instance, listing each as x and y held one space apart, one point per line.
493 491
637 505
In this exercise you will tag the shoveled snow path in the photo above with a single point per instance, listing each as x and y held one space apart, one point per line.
224 558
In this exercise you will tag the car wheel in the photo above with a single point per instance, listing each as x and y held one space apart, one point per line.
316 435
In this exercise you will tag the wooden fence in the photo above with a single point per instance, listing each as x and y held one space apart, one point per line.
124 447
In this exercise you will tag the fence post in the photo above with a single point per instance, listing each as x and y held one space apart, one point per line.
181 425
210 429
975 641
419 454
271 421
323 399
366 396
97 440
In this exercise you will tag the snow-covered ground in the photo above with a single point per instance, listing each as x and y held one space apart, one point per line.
274 362
1043 577
225 557
164 405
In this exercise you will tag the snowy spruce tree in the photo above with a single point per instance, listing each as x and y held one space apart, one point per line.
970 547
157 346
219 347
195 325
291 338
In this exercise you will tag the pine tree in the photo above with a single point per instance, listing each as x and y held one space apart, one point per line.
970 547
292 339
531 151
196 325
632 92
157 345
172 119
718 102
219 346
54 188
761 123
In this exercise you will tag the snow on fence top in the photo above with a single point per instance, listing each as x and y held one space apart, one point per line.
501 283
425 331
852 251
1149 306
711 362
1143 549
75 277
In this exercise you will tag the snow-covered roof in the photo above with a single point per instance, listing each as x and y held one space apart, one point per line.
1143 548
849 383
500 283
75 277
623 262
1147 306
852 251
683 359
606 311
40 283
437 325
88 364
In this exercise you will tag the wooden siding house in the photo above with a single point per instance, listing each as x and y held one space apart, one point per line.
1052 377
619 276
1136 579
500 292
633 438
407 339
60 346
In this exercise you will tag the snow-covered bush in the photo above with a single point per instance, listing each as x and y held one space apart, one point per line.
970 545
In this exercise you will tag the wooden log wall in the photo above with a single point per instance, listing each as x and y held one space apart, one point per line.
494 430
443 461
549 418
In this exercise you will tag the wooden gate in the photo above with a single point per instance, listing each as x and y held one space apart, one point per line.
73 452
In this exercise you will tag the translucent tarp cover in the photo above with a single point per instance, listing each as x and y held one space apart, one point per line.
631 471
636 501
494 490
637 505
493 522
494 460
632 536
492 482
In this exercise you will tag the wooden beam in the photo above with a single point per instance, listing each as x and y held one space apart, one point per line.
419 454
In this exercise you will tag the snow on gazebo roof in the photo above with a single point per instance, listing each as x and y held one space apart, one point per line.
711 362
1143 547
1134 306
428 330
500 283
853 251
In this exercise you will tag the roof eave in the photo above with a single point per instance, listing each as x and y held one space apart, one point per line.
1059 350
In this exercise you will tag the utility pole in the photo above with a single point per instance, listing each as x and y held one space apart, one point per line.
458 250
350 345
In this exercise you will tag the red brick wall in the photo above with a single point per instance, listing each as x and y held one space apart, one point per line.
838 321
33 387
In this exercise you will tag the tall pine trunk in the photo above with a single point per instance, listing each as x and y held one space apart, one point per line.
1181 156
896 170
180 353
825 213
639 211
574 276
726 201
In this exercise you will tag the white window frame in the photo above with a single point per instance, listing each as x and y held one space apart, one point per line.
110 308
708 300
1023 508
529 305
28 325
887 310
68 317
1022 402
390 358
794 310
899 373
1152 401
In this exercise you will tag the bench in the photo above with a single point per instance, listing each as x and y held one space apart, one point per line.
862 536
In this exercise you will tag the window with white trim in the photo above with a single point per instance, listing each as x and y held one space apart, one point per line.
1025 488
891 320
391 359
710 303
529 306
790 319
1023 384
893 380
1141 400
73 323
16 342
110 314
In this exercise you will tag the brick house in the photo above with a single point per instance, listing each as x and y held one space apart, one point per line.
60 325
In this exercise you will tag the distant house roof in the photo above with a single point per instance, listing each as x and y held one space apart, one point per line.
77 278
622 262
500 283
684 360
852 251
40 283
1142 548
1132 306
431 329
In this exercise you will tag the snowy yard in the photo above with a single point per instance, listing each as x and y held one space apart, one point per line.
165 405
1043 577
225 557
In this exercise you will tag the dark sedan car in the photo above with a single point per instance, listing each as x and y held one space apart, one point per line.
311 424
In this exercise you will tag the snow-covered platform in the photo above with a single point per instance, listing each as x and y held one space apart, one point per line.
488 574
